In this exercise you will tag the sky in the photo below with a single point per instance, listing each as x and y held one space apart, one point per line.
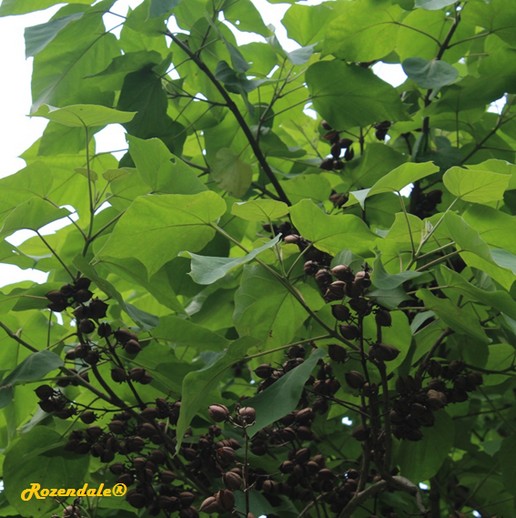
18 131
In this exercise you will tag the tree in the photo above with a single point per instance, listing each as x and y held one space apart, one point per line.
262 309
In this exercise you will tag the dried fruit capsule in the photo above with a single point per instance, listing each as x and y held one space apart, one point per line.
337 353
136 499
349 154
383 318
88 417
343 273
44 391
104 330
86 326
232 480
82 295
225 499
354 379
82 283
383 352
218 413
361 433
118 374
340 312
55 296
327 164
132 346
349 332
247 415
311 267
97 309
436 399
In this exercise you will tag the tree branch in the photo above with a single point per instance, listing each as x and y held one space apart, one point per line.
236 113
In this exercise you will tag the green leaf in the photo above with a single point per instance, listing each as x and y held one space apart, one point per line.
245 17
33 367
12 7
143 92
155 228
396 180
306 24
501 357
348 95
184 333
466 237
267 310
332 233
32 215
207 270
260 210
385 281
38 457
476 185
459 319
493 226
235 82
498 299
199 384
506 456
280 398
83 115
432 73
61 69
160 170
433 5
421 460
362 30
231 172
38 37
160 8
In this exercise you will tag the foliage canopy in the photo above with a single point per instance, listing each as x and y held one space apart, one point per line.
321 263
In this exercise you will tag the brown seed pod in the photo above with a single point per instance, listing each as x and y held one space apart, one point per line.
361 433
337 353
383 352
343 273
247 415
348 331
340 312
219 413
383 318
225 499
232 480
132 346
355 379
210 505
436 399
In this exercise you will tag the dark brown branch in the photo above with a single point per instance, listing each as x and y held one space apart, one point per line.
236 113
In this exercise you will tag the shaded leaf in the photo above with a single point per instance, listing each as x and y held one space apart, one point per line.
83 115
260 210
207 270
421 460
199 384
347 95
38 457
331 233
459 319
432 74
476 185
280 398
155 228
231 172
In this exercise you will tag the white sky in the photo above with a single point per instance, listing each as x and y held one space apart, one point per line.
18 131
